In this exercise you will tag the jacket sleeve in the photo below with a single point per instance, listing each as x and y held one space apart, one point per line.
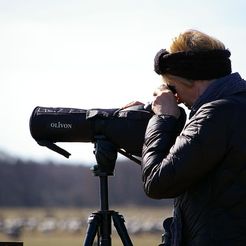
169 170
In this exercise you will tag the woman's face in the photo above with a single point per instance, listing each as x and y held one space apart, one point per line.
185 90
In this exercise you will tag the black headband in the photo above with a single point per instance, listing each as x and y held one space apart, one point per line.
196 65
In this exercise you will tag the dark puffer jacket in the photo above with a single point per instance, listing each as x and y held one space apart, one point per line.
204 168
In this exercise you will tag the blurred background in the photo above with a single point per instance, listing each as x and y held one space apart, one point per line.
86 54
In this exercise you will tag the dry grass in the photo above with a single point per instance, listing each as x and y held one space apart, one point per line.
77 240
63 238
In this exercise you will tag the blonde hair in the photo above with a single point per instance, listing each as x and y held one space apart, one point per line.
193 40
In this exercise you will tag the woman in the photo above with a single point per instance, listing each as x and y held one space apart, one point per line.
204 166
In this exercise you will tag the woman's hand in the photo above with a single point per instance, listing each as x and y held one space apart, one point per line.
165 102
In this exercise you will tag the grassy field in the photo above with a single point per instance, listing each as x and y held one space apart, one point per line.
61 236
77 240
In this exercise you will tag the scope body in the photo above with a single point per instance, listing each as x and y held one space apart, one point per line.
124 128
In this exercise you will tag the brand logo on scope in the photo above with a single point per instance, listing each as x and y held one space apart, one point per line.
60 125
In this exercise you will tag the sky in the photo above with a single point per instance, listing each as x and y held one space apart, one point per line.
94 54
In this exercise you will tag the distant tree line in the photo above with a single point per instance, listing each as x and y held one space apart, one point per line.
29 183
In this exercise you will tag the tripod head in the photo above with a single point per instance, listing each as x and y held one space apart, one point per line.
106 154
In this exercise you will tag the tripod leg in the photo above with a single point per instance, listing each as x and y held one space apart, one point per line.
94 222
105 228
121 228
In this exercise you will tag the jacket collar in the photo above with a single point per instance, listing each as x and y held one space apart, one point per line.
220 88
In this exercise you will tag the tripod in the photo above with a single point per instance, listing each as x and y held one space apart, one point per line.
99 223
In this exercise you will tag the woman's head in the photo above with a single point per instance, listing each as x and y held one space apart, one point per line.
192 61
194 55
